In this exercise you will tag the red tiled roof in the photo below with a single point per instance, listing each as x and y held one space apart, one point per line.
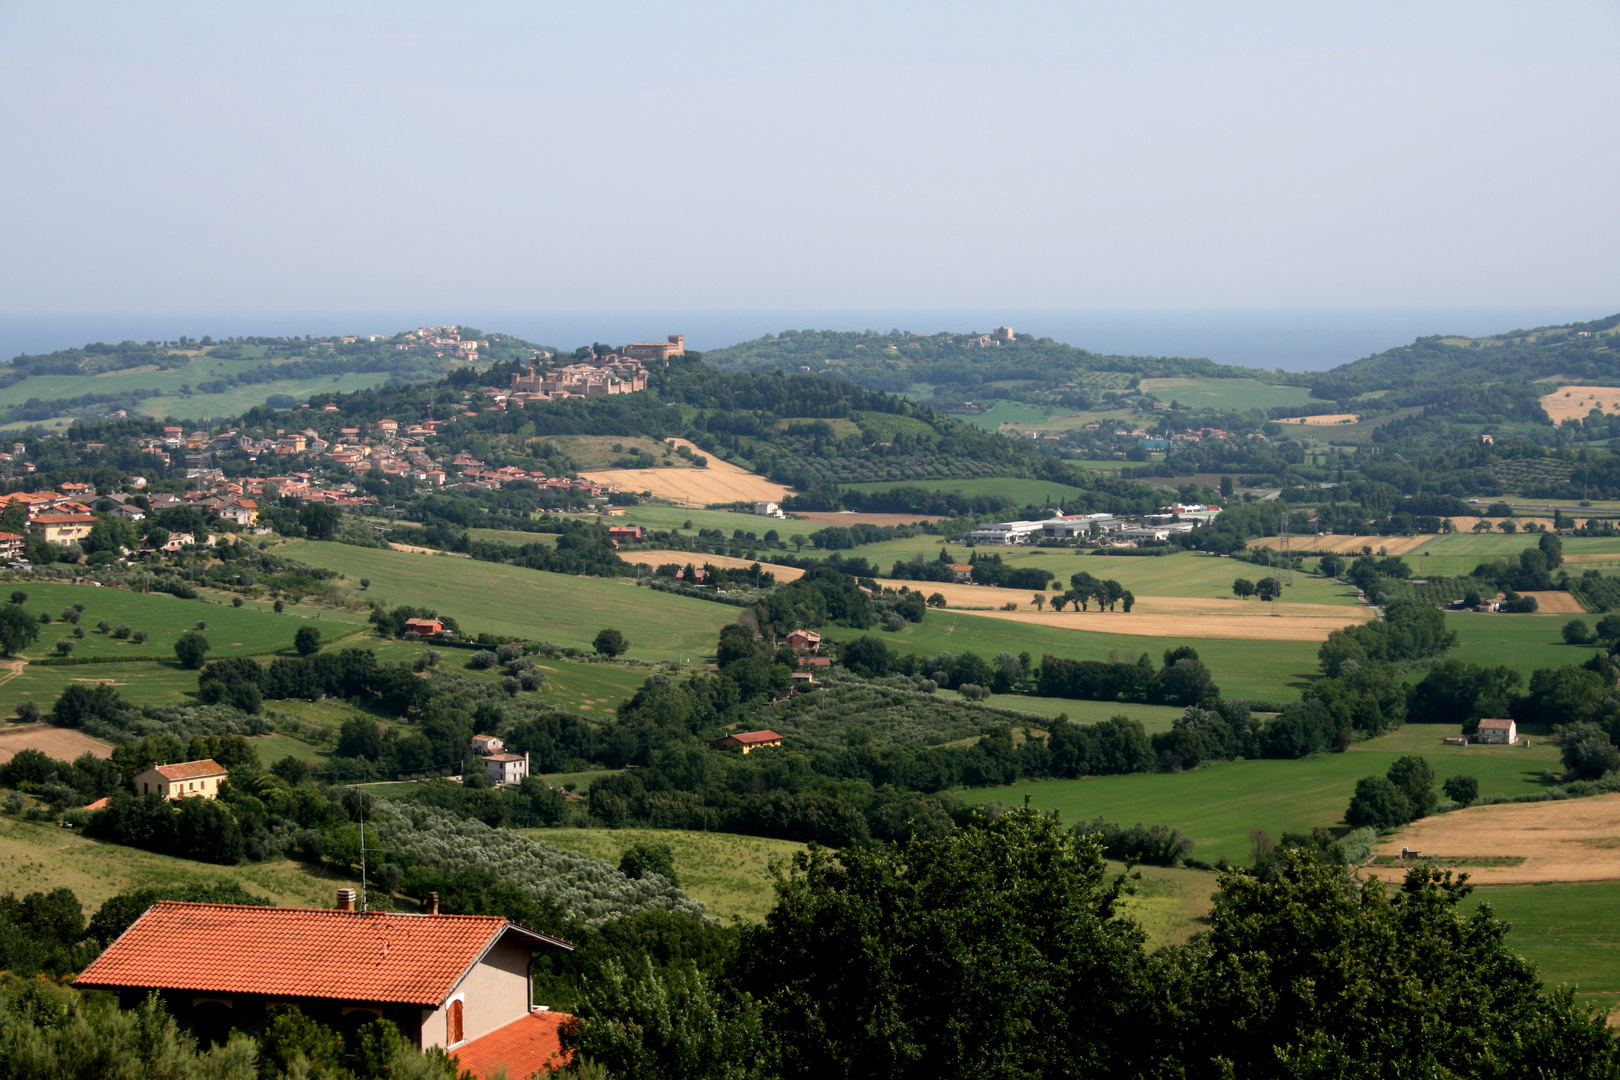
300 952
190 770
524 1046
757 736
64 519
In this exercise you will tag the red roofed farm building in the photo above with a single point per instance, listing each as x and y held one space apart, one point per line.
456 981
751 740
182 780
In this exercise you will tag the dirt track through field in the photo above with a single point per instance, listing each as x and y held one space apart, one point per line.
60 743
1568 840
720 482
659 557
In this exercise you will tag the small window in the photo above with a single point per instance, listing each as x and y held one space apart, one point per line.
454 1023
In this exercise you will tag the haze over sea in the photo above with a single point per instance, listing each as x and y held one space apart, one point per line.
1289 339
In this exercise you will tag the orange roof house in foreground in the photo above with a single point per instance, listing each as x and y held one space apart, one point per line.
455 981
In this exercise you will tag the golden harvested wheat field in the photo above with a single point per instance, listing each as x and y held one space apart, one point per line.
1325 418
1568 840
720 482
1574 402
57 742
659 557
1556 603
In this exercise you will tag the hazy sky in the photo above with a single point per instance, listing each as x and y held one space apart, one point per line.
346 155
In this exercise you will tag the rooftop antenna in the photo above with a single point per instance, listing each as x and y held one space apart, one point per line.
365 898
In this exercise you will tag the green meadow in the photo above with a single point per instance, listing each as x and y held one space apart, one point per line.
1456 554
1521 642
1200 392
1273 670
165 386
1009 412
1219 805
1024 492
1152 717
231 631
1568 929
40 856
730 874
1185 573
517 602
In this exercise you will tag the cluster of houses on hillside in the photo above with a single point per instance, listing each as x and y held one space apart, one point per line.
1101 528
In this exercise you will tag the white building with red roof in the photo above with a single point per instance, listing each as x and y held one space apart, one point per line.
460 982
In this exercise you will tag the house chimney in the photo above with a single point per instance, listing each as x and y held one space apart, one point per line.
345 899
432 904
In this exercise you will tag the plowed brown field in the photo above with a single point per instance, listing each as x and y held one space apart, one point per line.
1568 840
720 482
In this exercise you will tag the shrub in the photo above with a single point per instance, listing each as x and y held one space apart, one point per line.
64 646
481 659
104 626
19 597
610 643
139 637
236 601
307 640
644 857
121 631
1577 632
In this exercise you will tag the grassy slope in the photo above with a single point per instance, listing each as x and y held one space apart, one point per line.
509 600
231 631
1219 805
1568 929
37 856
1458 553
1522 642
729 873
1024 492
1200 392
1182 574
1250 669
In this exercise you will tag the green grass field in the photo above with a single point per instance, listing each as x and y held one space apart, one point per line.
1153 717
653 516
593 690
515 537
1219 805
1457 554
272 748
1568 930
1199 392
1246 669
510 600
1010 412
142 684
231 631
168 383
1024 492
730 874
41 856
1521 642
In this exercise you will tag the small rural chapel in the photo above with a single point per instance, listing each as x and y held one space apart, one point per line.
456 981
